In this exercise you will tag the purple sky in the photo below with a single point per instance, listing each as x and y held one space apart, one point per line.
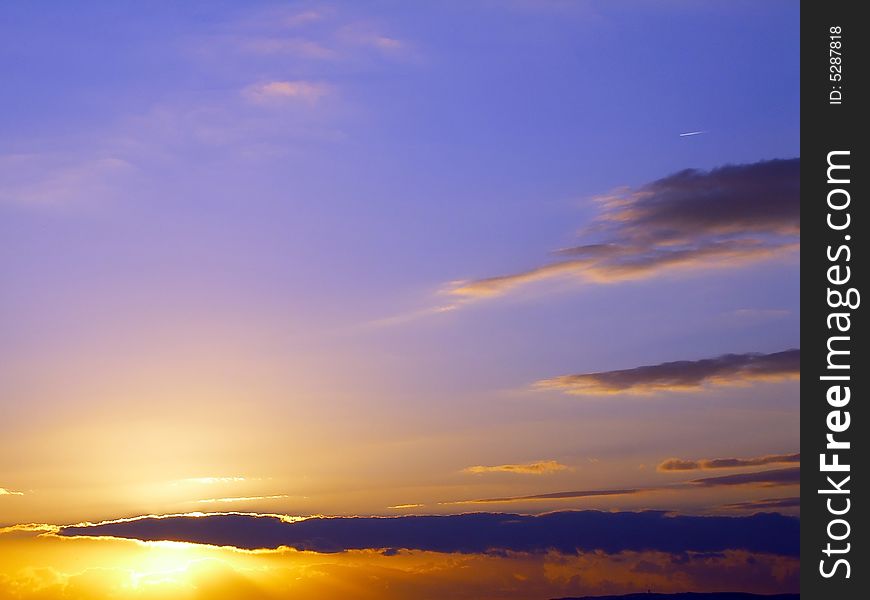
247 250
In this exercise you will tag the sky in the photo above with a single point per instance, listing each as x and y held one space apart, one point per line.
383 259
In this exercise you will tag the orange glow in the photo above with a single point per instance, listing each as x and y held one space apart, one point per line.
36 564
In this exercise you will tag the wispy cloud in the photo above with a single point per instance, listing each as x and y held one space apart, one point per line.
726 217
279 92
241 499
610 264
30 527
682 375
552 496
765 504
295 46
772 478
304 17
543 467
405 506
407 317
5 492
679 464
43 181
214 480
322 34
361 34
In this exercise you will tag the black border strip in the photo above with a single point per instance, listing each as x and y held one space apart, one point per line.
833 99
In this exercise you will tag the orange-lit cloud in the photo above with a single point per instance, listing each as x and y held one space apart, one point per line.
5 492
612 264
542 467
683 375
679 464
31 527
726 217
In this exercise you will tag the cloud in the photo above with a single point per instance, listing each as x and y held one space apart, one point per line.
5 492
280 92
726 217
624 263
678 464
404 506
765 504
771 478
213 480
734 199
298 47
322 34
44 181
104 567
29 528
361 34
683 375
303 17
566 532
551 496
384 42
534 468
242 499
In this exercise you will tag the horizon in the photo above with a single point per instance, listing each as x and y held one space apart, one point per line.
356 260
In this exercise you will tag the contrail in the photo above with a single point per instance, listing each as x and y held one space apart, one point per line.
689 133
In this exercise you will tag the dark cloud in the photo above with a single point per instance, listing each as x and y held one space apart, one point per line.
551 496
566 532
729 216
678 464
771 478
762 197
681 375
691 596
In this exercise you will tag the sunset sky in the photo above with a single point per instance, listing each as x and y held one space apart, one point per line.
397 258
